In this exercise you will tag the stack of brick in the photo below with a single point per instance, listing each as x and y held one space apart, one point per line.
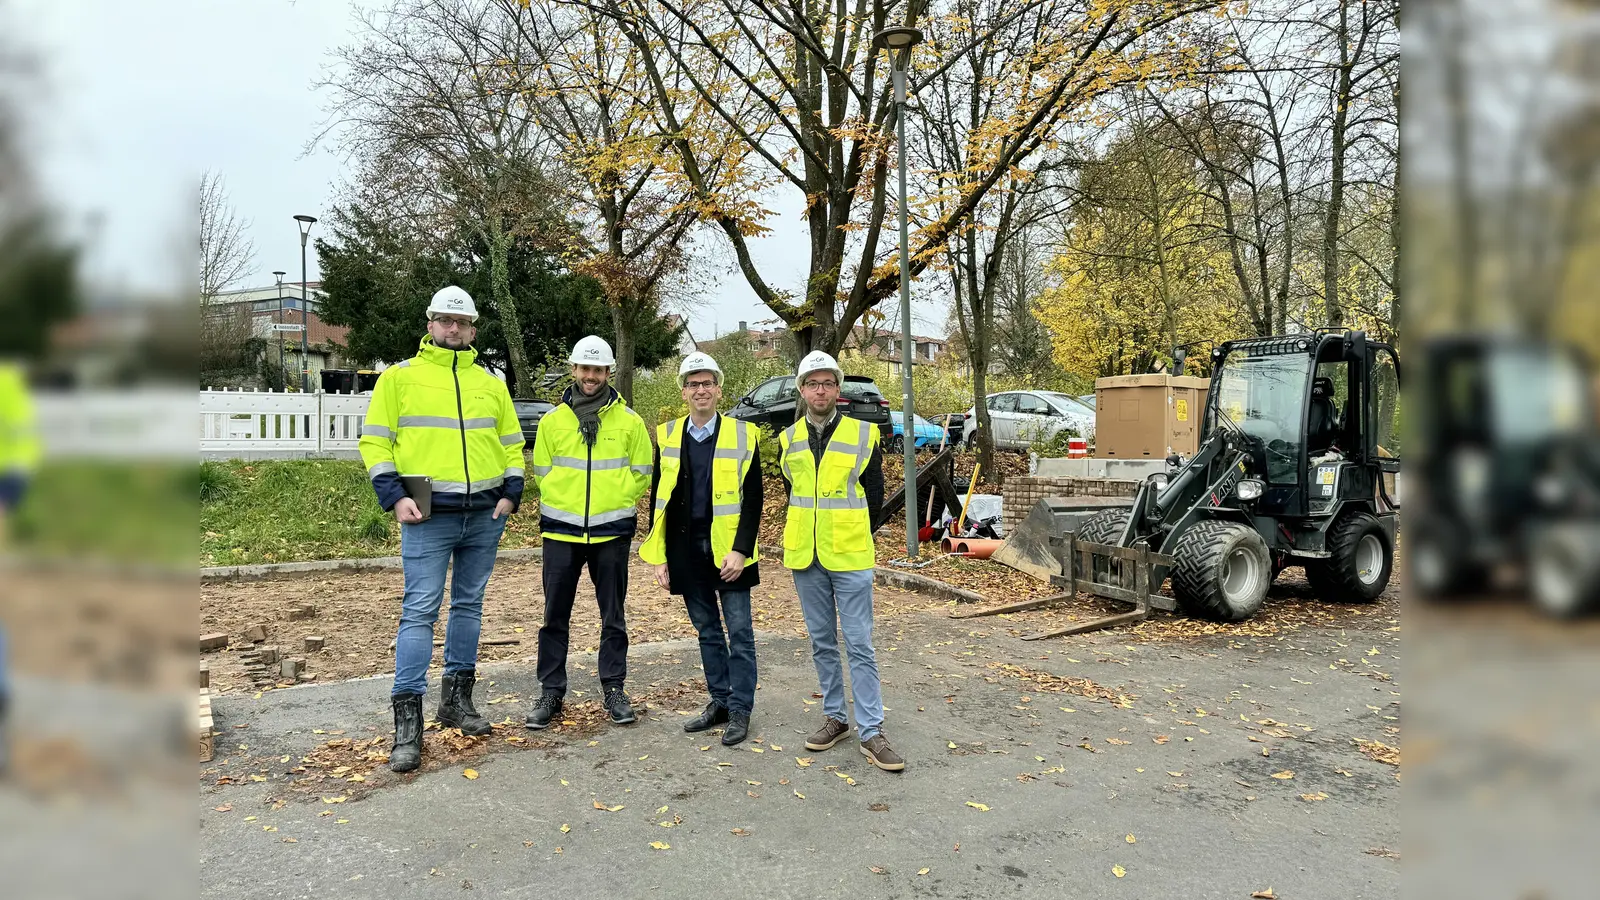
1023 492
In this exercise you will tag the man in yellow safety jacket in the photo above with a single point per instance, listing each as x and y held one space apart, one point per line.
19 455
439 415
834 470
705 515
592 463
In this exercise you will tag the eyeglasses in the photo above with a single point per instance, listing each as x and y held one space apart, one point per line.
820 385
447 322
698 385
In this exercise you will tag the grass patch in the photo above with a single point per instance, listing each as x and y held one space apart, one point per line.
127 512
294 510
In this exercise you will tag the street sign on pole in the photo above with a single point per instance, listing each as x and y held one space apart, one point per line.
284 326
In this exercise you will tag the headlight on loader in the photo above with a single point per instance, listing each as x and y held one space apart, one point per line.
1249 489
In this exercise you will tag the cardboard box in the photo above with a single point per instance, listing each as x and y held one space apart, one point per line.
1148 416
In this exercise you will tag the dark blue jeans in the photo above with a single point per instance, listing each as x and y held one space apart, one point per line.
729 658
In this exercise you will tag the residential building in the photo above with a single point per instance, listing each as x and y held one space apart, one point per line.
281 305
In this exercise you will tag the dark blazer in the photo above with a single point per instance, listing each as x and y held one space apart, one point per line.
683 560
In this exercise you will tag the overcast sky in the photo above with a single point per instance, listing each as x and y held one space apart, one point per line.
139 98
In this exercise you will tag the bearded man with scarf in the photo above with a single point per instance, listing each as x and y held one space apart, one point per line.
592 462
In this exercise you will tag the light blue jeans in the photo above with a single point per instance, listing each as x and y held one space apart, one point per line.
842 601
471 539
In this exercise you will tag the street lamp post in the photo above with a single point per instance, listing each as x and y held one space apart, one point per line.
305 223
899 40
279 273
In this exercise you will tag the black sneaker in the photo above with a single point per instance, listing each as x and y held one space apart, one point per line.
618 706
545 709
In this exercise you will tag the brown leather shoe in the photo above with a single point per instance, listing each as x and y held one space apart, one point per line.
831 732
882 755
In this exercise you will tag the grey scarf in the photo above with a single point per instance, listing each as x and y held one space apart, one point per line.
588 409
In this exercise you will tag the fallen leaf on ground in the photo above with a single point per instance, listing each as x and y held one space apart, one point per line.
599 805
978 806
1264 895
226 807
660 845
1162 738
877 807
469 773
1118 871
878 870
800 795
1285 775
804 761
1131 839
922 871
565 828
1312 798
740 832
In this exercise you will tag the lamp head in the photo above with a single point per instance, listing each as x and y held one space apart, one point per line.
897 37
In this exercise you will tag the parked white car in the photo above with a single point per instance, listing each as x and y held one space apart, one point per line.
1020 418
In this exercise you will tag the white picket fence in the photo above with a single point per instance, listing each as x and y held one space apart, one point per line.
272 425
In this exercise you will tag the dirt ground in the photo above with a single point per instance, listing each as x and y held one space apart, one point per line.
357 615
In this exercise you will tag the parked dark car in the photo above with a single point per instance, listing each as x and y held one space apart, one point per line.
773 402
529 412
953 424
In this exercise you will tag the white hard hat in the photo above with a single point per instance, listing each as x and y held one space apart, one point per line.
452 301
817 361
699 362
592 351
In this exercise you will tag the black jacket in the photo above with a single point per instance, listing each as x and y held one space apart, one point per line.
684 562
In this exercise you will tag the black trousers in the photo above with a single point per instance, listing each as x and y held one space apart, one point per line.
608 571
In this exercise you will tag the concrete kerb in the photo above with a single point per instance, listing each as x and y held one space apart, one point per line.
909 581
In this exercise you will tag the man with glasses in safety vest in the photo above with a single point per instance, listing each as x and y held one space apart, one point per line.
834 470
704 519
592 461
438 414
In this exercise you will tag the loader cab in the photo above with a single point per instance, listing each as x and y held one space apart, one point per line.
1319 407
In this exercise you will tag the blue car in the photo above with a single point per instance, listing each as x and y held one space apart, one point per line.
927 433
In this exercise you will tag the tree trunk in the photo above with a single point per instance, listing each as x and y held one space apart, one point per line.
1330 233
623 314
510 322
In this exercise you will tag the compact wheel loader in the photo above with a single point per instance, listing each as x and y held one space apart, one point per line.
1294 467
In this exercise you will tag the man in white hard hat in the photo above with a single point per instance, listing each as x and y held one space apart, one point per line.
19 457
834 470
592 462
438 414
705 513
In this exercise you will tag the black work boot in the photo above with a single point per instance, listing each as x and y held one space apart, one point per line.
406 754
455 704
737 730
618 706
545 709
715 714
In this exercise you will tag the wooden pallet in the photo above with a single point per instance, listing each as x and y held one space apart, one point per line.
204 725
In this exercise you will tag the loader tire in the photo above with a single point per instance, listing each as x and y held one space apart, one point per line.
1221 571
1361 564
1104 527
1562 576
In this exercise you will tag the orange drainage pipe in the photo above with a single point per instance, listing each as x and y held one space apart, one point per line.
976 548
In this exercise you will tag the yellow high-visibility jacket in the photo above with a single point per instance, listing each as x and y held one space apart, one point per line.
591 494
736 451
19 437
439 414
829 520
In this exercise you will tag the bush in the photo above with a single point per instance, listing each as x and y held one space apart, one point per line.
1056 446
216 482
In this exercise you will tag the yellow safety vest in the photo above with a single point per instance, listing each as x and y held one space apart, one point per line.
828 516
591 494
19 437
736 452
441 415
